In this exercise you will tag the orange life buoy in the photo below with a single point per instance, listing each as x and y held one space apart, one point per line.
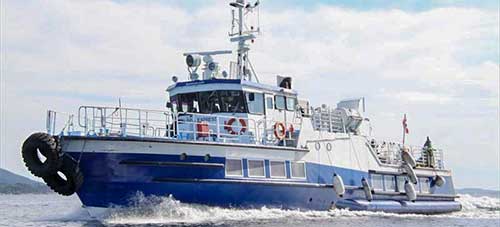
230 129
279 130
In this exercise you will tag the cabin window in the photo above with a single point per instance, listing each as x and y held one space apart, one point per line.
256 168
270 103
298 169
234 167
188 103
377 182
232 102
277 169
401 183
255 103
280 102
390 183
209 102
291 103
424 184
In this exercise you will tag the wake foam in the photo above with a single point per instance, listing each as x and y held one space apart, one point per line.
167 210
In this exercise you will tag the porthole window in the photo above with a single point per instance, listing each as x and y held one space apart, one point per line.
277 169
234 167
256 168
298 169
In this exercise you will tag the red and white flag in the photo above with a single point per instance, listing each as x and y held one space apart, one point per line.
405 125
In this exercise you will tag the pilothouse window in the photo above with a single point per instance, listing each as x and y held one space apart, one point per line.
232 102
255 102
280 102
290 103
211 102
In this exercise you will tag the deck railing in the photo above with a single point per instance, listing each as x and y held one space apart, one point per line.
390 153
116 121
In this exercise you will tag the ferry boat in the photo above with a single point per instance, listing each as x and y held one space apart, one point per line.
225 139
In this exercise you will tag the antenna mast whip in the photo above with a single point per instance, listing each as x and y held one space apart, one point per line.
244 69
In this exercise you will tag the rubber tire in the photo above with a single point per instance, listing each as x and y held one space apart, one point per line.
48 147
73 181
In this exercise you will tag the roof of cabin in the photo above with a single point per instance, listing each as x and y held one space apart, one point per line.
218 84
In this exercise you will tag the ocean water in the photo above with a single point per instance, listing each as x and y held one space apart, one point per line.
54 210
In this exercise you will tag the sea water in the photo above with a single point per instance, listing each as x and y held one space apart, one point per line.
55 210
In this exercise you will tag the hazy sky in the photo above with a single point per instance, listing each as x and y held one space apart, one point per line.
437 61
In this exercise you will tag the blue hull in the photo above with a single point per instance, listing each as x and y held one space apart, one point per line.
114 179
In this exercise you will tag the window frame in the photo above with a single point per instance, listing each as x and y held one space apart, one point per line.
291 170
271 169
234 175
263 166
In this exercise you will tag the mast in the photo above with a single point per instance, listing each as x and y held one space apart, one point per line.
244 69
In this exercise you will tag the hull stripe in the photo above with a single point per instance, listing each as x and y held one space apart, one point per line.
156 163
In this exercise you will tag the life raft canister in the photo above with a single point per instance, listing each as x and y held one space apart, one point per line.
279 130
229 128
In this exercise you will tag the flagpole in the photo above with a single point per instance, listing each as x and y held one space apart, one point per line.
404 129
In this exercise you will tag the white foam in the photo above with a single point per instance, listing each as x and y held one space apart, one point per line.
167 210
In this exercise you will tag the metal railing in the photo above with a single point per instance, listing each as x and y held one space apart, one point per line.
390 153
118 121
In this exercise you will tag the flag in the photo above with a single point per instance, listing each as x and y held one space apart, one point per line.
405 125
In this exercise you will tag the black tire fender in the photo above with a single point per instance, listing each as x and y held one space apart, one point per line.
68 179
48 147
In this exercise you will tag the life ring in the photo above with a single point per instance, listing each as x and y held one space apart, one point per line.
229 128
279 130
41 144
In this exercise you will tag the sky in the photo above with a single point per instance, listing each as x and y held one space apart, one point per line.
436 61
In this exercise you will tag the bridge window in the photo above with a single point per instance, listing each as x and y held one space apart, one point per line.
290 103
209 102
270 103
232 102
377 182
298 169
227 101
255 102
256 168
234 167
280 102
277 169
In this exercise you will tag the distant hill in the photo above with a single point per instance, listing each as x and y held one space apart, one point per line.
11 183
479 192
